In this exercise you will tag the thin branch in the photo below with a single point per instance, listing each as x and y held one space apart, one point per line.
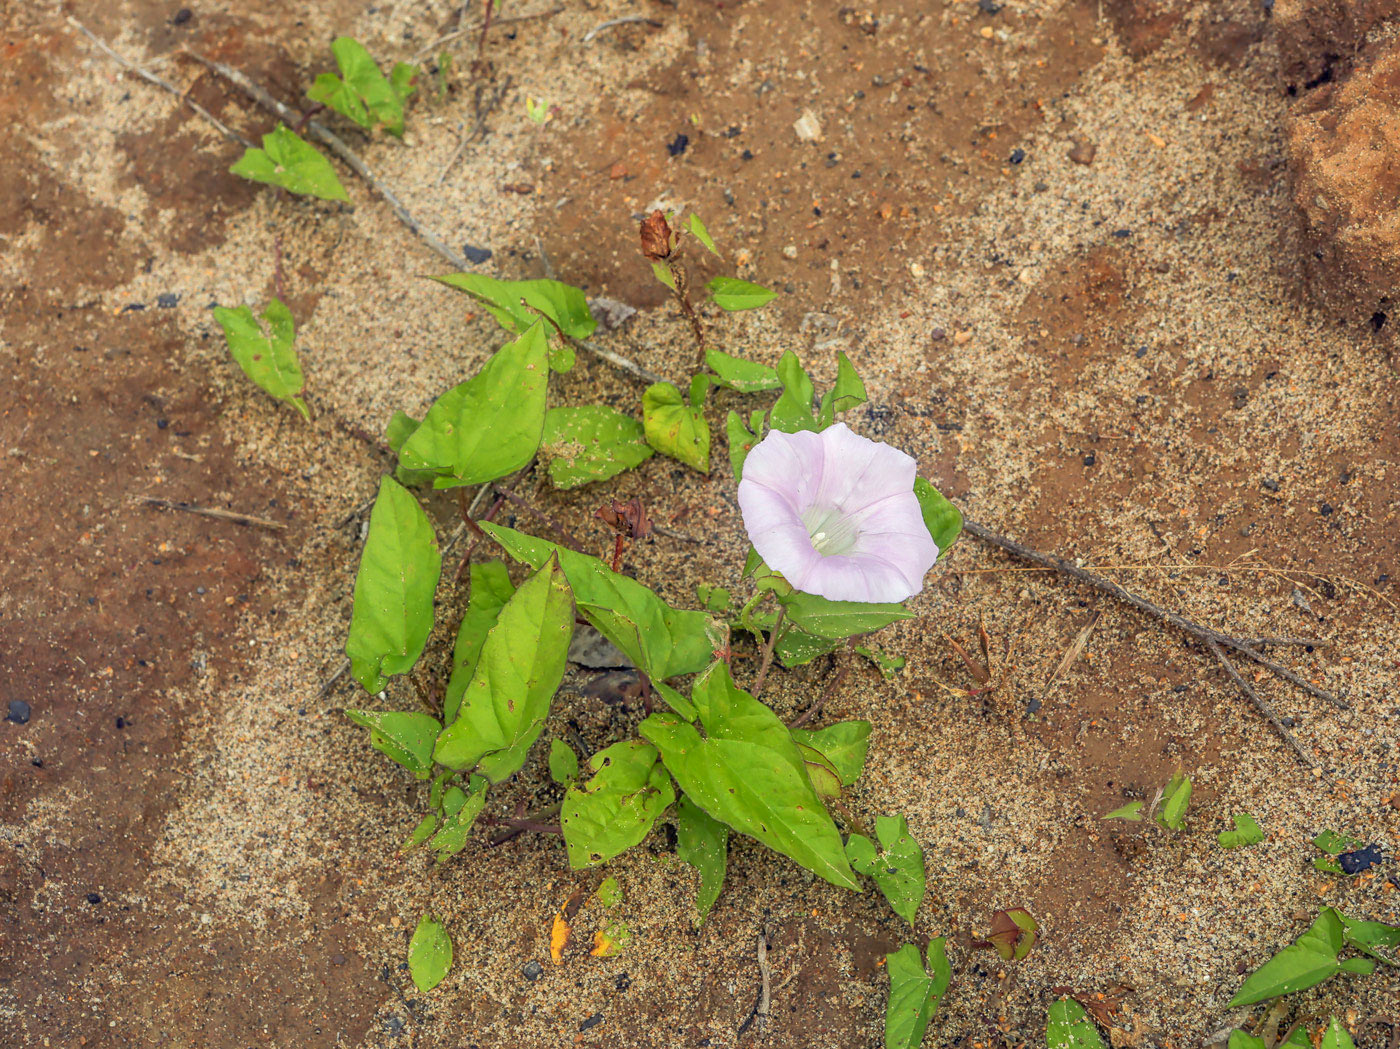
619 361
763 1006
625 20
215 512
462 31
569 538
843 659
1188 626
1259 704
164 85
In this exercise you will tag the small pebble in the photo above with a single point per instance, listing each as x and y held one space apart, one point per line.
476 256
1269 484
1083 153
790 252
1017 155
988 7
622 981
19 712
93 898
678 145
1089 459
1033 707
182 16
591 1022
166 300
1360 860
532 970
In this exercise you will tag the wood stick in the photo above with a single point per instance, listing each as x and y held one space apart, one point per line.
1260 705
1188 626
215 512
164 85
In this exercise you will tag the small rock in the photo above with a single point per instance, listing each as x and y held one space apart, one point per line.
962 338
678 145
1083 152
93 898
476 256
394 1025
938 335
1360 860
790 252
1033 707
1270 484
610 313
988 7
1017 155
19 712
1089 459
532 970
166 300
182 16
1121 234
622 981
808 127
591 1022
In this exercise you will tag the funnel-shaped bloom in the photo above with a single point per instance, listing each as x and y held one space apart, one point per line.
836 514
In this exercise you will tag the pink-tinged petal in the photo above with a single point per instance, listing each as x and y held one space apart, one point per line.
775 529
791 467
861 471
856 579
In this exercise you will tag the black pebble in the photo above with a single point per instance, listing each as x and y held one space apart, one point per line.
532 970
677 145
1270 484
93 898
121 722
1089 459
1018 155
1141 351
1360 860
988 7
182 16
161 424
19 712
622 981
476 256
592 1021
1122 234
166 300
1033 707
394 1026
1325 509
746 155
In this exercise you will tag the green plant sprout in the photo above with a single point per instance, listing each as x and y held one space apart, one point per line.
713 758
1173 798
270 360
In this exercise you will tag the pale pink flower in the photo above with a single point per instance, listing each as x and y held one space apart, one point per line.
836 514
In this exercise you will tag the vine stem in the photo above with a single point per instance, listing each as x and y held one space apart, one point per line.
532 822
768 647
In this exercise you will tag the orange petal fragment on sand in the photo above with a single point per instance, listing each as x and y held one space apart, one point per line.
559 939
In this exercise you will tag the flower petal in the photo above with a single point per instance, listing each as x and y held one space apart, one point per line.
861 471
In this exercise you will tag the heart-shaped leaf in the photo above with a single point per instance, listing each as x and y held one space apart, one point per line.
616 808
674 427
289 161
702 842
490 425
563 304
845 745
491 588
429 954
915 992
897 866
591 443
1069 1027
269 360
405 737
731 294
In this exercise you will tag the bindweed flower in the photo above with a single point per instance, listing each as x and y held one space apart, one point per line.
836 514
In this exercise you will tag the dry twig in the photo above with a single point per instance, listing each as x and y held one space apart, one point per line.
164 85
215 512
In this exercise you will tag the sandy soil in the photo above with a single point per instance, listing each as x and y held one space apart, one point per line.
1111 360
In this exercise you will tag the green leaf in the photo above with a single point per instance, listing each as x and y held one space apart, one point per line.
429 954
675 428
839 619
461 811
699 387
915 993
591 443
941 518
1247 832
616 808
747 772
407 738
401 80
848 392
730 293
563 304
521 665
1244 1040
1130 811
490 425
825 779
662 272
1367 936
889 666
1174 800
1304 963
702 234
1336 1037
797 648
712 598
421 833
563 762
735 373
1069 1027
610 893
742 438
399 569
845 745
272 363
663 641
400 429
491 588
792 411
898 866
1334 844
361 92
702 842
1013 934
289 161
